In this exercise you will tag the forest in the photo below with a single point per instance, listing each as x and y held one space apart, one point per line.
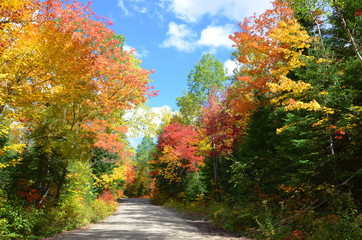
272 152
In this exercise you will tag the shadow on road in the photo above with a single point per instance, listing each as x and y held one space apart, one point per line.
138 219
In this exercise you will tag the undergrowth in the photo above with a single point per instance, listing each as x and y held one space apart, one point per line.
265 220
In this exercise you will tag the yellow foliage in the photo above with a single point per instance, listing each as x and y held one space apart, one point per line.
358 108
11 163
290 34
280 130
106 181
13 147
322 60
204 144
169 158
291 104
292 39
286 84
320 122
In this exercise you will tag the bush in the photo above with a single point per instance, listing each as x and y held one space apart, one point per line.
104 206
194 186
76 207
18 221
333 228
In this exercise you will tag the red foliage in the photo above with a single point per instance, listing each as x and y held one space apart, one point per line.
332 219
340 132
106 196
30 195
296 234
130 174
112 81
183 140
222 126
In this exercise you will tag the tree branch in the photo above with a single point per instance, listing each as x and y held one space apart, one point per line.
348 31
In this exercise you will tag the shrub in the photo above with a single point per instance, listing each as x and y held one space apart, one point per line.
18 221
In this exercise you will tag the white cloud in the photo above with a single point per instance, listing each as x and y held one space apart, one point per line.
184 39
179 36
216 36
133 6
138 53
141 53
140 9
193 10
230 65
127 48
123 8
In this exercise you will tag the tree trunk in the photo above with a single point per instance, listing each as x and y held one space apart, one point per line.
348 31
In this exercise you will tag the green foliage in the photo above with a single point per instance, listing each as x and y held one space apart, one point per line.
144 155
145 151
296 172
17 220
147 122
103 163
77 194
76 207
330 227
194 187
207 75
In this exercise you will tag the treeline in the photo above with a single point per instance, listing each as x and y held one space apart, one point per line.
275 152
65 83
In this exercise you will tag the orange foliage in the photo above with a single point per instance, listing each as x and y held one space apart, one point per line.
178 151
65 60
268 47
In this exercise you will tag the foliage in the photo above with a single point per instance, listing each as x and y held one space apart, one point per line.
282 159
207 75
144 155
65 85
276 154
179 141
147 122
178 155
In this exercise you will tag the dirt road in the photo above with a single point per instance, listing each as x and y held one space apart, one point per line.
138 219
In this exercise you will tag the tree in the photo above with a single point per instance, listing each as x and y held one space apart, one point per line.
207 75
269 47
344 18
147 122
65 82
297 132
144 155
178 154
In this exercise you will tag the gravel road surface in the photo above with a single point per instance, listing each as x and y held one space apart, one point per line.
138 219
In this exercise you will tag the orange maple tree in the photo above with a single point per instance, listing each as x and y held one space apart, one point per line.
269 46
58 57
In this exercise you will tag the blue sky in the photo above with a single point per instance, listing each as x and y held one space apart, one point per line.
170 36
